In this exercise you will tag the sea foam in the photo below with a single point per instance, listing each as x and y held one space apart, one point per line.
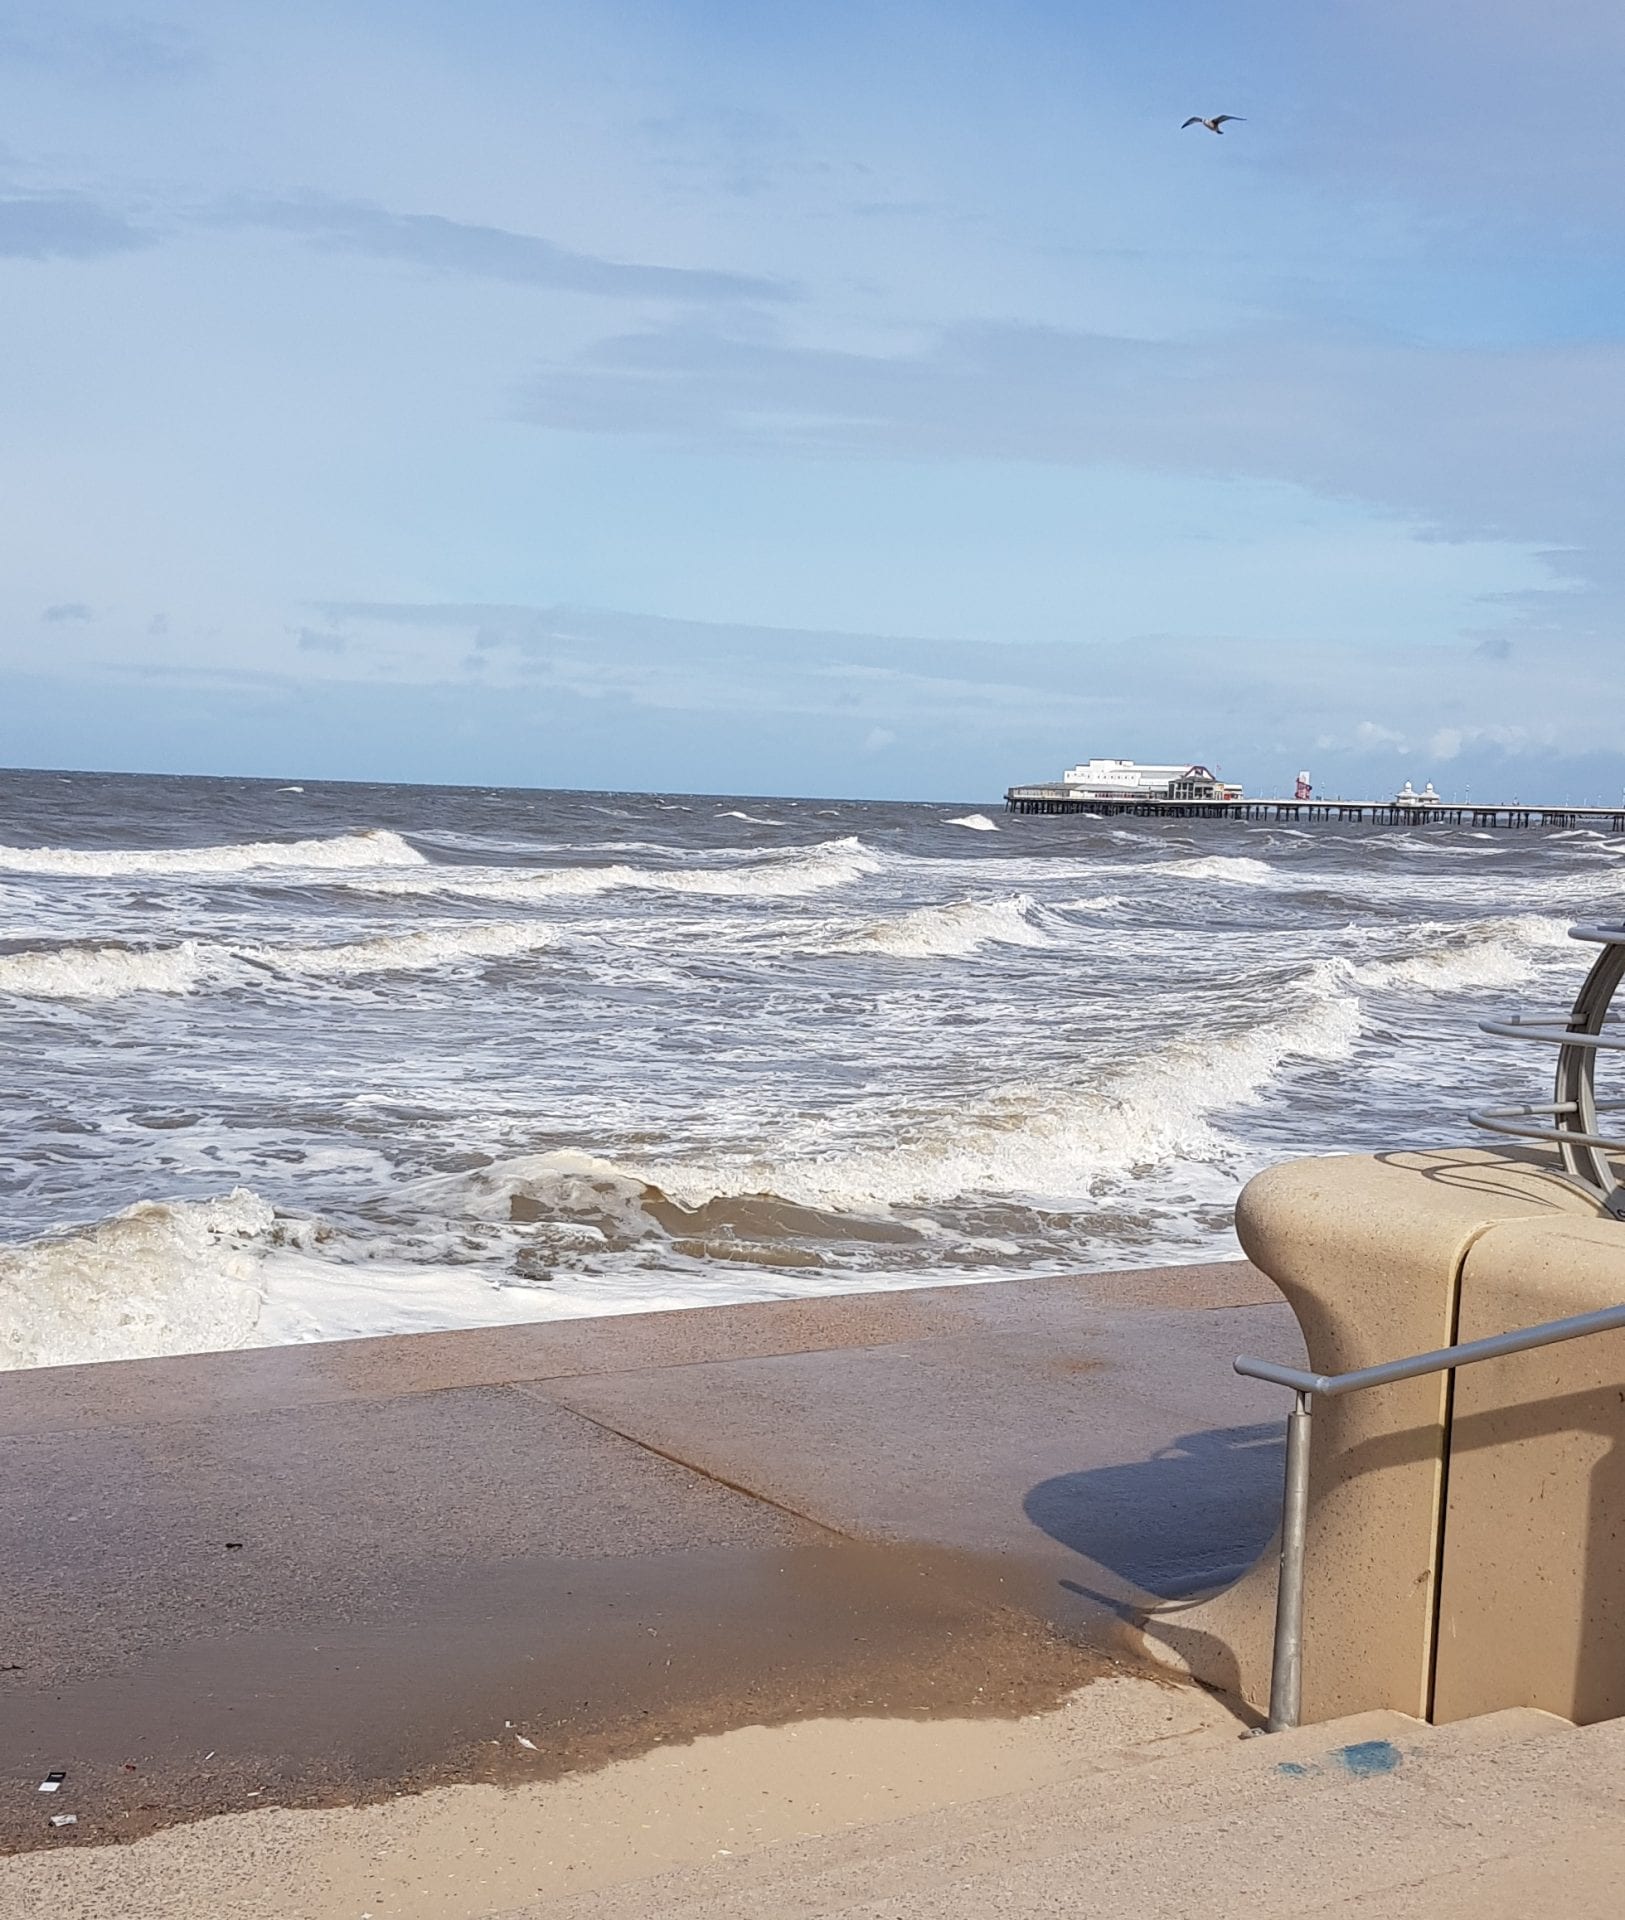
409 952
101 973
947 932
1493 953
158 1278
1050 1140
375 847
832 863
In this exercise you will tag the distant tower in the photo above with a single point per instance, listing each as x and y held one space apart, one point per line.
1303 790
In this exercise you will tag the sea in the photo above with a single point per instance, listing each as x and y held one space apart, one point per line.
292 1060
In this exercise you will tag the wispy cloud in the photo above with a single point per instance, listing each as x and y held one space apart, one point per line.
66 610
473 251
1523 445
1422 430
127 48
64 226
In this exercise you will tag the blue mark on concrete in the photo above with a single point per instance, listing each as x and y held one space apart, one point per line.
1367 1758
1294 1768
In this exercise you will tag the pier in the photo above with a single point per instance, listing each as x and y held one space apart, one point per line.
1056 799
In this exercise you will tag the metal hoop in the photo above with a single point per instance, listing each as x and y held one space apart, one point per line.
1574 1108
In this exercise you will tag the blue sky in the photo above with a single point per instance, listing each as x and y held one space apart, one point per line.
882 399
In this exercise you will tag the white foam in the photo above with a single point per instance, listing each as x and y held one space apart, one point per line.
158 1278
375 847
751 819
1236 870
1050 1141
409 952
107 973
977 822
833 863
959 928
565 1181
101 973
1500 953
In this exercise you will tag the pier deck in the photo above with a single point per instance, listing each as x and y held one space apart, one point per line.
1380 813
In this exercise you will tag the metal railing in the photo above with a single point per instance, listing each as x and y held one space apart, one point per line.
1286 1670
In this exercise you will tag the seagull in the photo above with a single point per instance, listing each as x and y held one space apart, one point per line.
1215 125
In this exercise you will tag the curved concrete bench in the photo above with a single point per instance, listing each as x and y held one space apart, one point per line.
1371 1253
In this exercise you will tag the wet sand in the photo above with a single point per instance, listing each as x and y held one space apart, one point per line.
322 1576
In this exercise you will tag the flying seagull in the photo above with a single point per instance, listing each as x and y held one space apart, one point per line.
1215 125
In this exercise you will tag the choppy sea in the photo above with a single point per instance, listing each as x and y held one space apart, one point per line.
296 1061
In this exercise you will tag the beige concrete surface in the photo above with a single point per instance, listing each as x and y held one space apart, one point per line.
708 1624
322 1575
1532 1602
1368 1251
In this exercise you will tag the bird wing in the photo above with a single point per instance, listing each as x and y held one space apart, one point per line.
1219 119
1194 121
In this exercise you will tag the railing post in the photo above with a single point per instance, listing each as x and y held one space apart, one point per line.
1286 1671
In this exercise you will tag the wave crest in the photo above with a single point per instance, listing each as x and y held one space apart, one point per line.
161 1277
830 864
952 931
1049 1142
1492 953
373 847
409 952
101 973
1237 870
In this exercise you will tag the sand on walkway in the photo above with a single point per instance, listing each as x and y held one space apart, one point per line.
466 1852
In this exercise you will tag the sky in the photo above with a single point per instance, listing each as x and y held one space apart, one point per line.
854 397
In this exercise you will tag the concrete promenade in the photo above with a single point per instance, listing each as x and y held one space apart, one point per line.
319 1575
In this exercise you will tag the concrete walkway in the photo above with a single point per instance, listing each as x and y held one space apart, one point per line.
316 1576
1501 1818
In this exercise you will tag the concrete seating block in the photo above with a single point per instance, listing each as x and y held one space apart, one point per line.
1532 1598
1369 1251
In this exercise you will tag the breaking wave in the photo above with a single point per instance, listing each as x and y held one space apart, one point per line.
1053 1142
977 822
833 863
375 847
1237 870
158 1278
101 973
1493 953
950 931
408 952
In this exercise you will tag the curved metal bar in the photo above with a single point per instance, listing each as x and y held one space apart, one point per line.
1551 1036
1547 1136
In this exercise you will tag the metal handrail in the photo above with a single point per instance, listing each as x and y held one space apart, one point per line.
1286 1671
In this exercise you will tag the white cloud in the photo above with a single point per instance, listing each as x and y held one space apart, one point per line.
1448 742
